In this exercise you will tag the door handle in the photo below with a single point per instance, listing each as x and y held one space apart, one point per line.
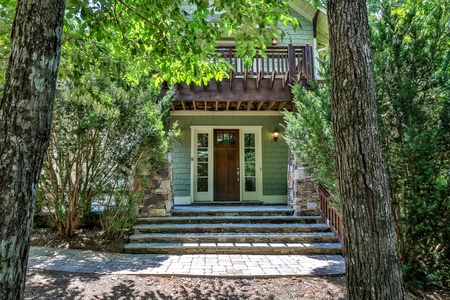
238 172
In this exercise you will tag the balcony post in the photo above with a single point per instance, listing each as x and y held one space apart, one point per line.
291 63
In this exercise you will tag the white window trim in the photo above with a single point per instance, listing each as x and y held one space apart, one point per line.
209 196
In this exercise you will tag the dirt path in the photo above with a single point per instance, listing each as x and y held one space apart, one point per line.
63 285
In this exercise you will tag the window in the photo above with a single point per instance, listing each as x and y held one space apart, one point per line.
202 162
250 162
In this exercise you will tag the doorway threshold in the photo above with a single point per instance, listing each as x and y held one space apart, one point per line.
227 203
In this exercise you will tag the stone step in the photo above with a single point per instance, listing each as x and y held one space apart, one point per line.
235 248
303 237
227 203
229 227
231 219
260 210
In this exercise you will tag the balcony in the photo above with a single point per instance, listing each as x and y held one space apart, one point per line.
263 86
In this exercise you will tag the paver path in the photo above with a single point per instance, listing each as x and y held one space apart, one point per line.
215 265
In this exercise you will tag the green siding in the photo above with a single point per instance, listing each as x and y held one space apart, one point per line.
300 36
274 154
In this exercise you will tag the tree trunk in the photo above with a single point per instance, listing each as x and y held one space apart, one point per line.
25 121
373 269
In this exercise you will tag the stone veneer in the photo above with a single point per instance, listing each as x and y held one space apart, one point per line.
158 196
302 192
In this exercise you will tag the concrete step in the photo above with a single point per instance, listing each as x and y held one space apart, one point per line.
303 237
261 210
235 248
229 227
231 219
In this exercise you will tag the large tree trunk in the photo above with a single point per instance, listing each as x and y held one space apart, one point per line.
25 122
373 269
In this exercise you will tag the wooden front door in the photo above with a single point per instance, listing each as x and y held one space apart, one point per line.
226 165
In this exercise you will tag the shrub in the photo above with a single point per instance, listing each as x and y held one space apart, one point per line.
98 144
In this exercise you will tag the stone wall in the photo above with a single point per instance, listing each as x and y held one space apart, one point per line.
158 196
302 192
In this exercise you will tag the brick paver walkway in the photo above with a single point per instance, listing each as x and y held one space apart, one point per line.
216 265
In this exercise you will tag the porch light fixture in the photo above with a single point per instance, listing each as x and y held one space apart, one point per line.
275 135
274 41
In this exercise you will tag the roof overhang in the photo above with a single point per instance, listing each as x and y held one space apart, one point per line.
318 16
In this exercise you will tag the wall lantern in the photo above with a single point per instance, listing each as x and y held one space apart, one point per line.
274 41
275 135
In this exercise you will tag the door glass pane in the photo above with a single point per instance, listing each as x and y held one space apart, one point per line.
226 137
250 169
202 140
202 184
249 140
219 137
250 184
202 162
250 162
202 155
249 155
202 169
232 137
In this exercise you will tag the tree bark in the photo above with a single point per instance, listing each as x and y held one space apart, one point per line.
25 122
373 268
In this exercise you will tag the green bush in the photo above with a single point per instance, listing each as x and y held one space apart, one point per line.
411 57
309 130
100 143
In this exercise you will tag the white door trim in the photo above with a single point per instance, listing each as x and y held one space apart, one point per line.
209 195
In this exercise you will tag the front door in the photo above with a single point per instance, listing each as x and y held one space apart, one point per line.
226 165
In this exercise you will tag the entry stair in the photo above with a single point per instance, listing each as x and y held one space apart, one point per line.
263 230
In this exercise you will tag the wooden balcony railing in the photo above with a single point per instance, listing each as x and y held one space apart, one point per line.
261 86
291 63
330 215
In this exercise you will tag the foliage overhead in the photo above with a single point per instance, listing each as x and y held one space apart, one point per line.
7 9
173 40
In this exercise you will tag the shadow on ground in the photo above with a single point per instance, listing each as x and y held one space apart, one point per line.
64 285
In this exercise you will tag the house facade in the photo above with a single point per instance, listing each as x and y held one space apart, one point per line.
231 145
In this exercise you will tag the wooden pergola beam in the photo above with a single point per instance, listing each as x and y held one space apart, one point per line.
260 104
271 104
